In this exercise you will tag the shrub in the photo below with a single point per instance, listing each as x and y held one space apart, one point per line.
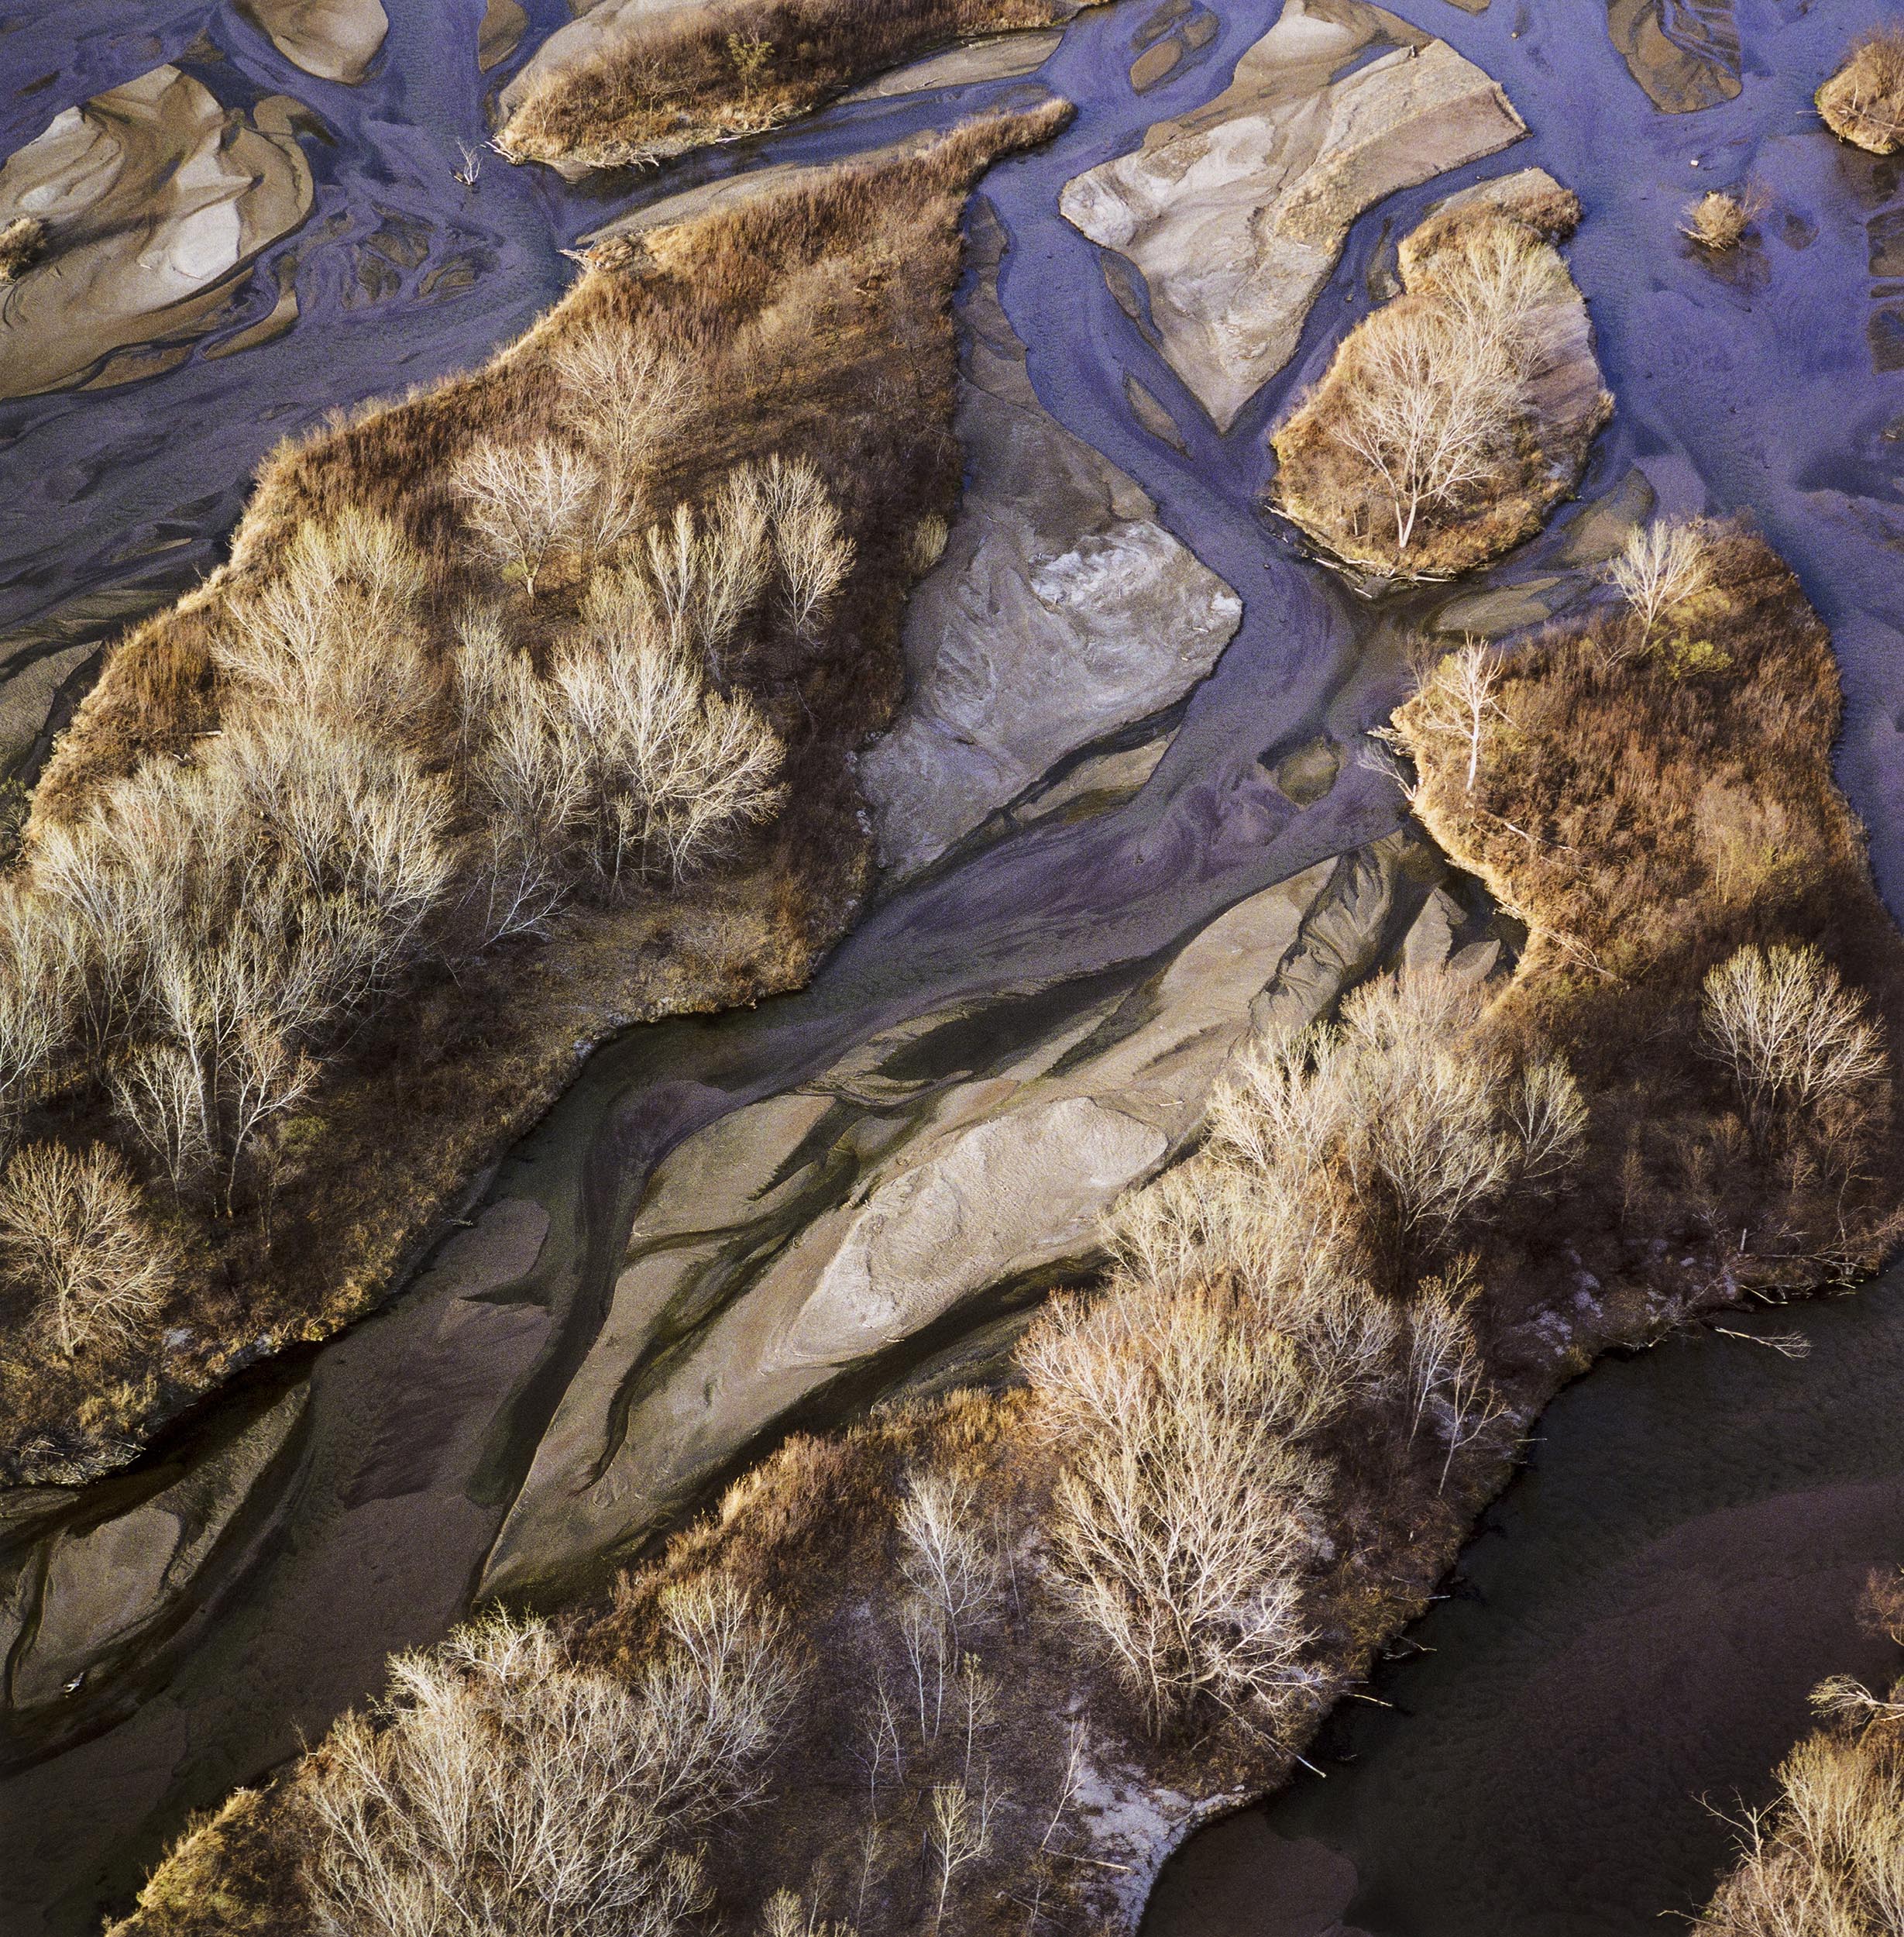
510 1791
22 243
1718 220
75 1235
1864 100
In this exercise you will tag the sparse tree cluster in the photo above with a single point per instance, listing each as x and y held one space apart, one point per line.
1246 1320
506 1792
198 942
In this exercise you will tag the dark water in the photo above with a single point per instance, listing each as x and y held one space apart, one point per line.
1626 1654
1754 389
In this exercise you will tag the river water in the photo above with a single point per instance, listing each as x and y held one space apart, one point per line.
1754 389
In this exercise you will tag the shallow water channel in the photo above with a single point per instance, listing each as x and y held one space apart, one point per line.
1678 1565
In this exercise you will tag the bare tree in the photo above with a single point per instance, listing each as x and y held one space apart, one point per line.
944 1555
1781 1021
524 502
1458 696
1178 1522
1433 403
335 629
960 1834
815 555
75 1234
1447 1374
1661 566
1550 1118
512 1792
37 1004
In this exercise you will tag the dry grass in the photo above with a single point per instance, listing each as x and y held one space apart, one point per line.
1864 101
22 243
704 73
1424 450
1826 1858
1719 218
361 756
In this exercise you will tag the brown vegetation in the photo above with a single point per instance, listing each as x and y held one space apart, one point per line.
1826 1859
1719 218
1427 446
1864 101
691 76
22 243
500 666
1235 1470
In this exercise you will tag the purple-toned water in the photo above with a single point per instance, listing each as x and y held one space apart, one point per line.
1755 389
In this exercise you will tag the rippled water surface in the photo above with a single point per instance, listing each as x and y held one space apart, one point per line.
1759 388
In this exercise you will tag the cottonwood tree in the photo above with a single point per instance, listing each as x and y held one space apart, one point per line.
335 630
37 1004
74 1234
1661 566
1781 1021
626 400
524 502
1431 405
512 1791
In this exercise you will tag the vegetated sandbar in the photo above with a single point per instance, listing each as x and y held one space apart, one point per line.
774 375
633 82
1451 420
1235 1469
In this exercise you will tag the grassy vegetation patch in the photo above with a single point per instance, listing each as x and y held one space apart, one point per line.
524 709
1000 1629
693 75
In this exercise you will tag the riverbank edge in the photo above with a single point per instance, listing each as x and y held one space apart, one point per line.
726 941
567 116
801 1502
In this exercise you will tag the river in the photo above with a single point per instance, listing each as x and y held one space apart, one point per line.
1754 389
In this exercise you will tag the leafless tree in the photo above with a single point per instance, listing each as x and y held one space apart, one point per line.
1550 1118
1457 697
524 502
815 555
1178 1521
512 1792
1781 1021
944 1554
1431 406
960 1834
74 1234
1661 566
